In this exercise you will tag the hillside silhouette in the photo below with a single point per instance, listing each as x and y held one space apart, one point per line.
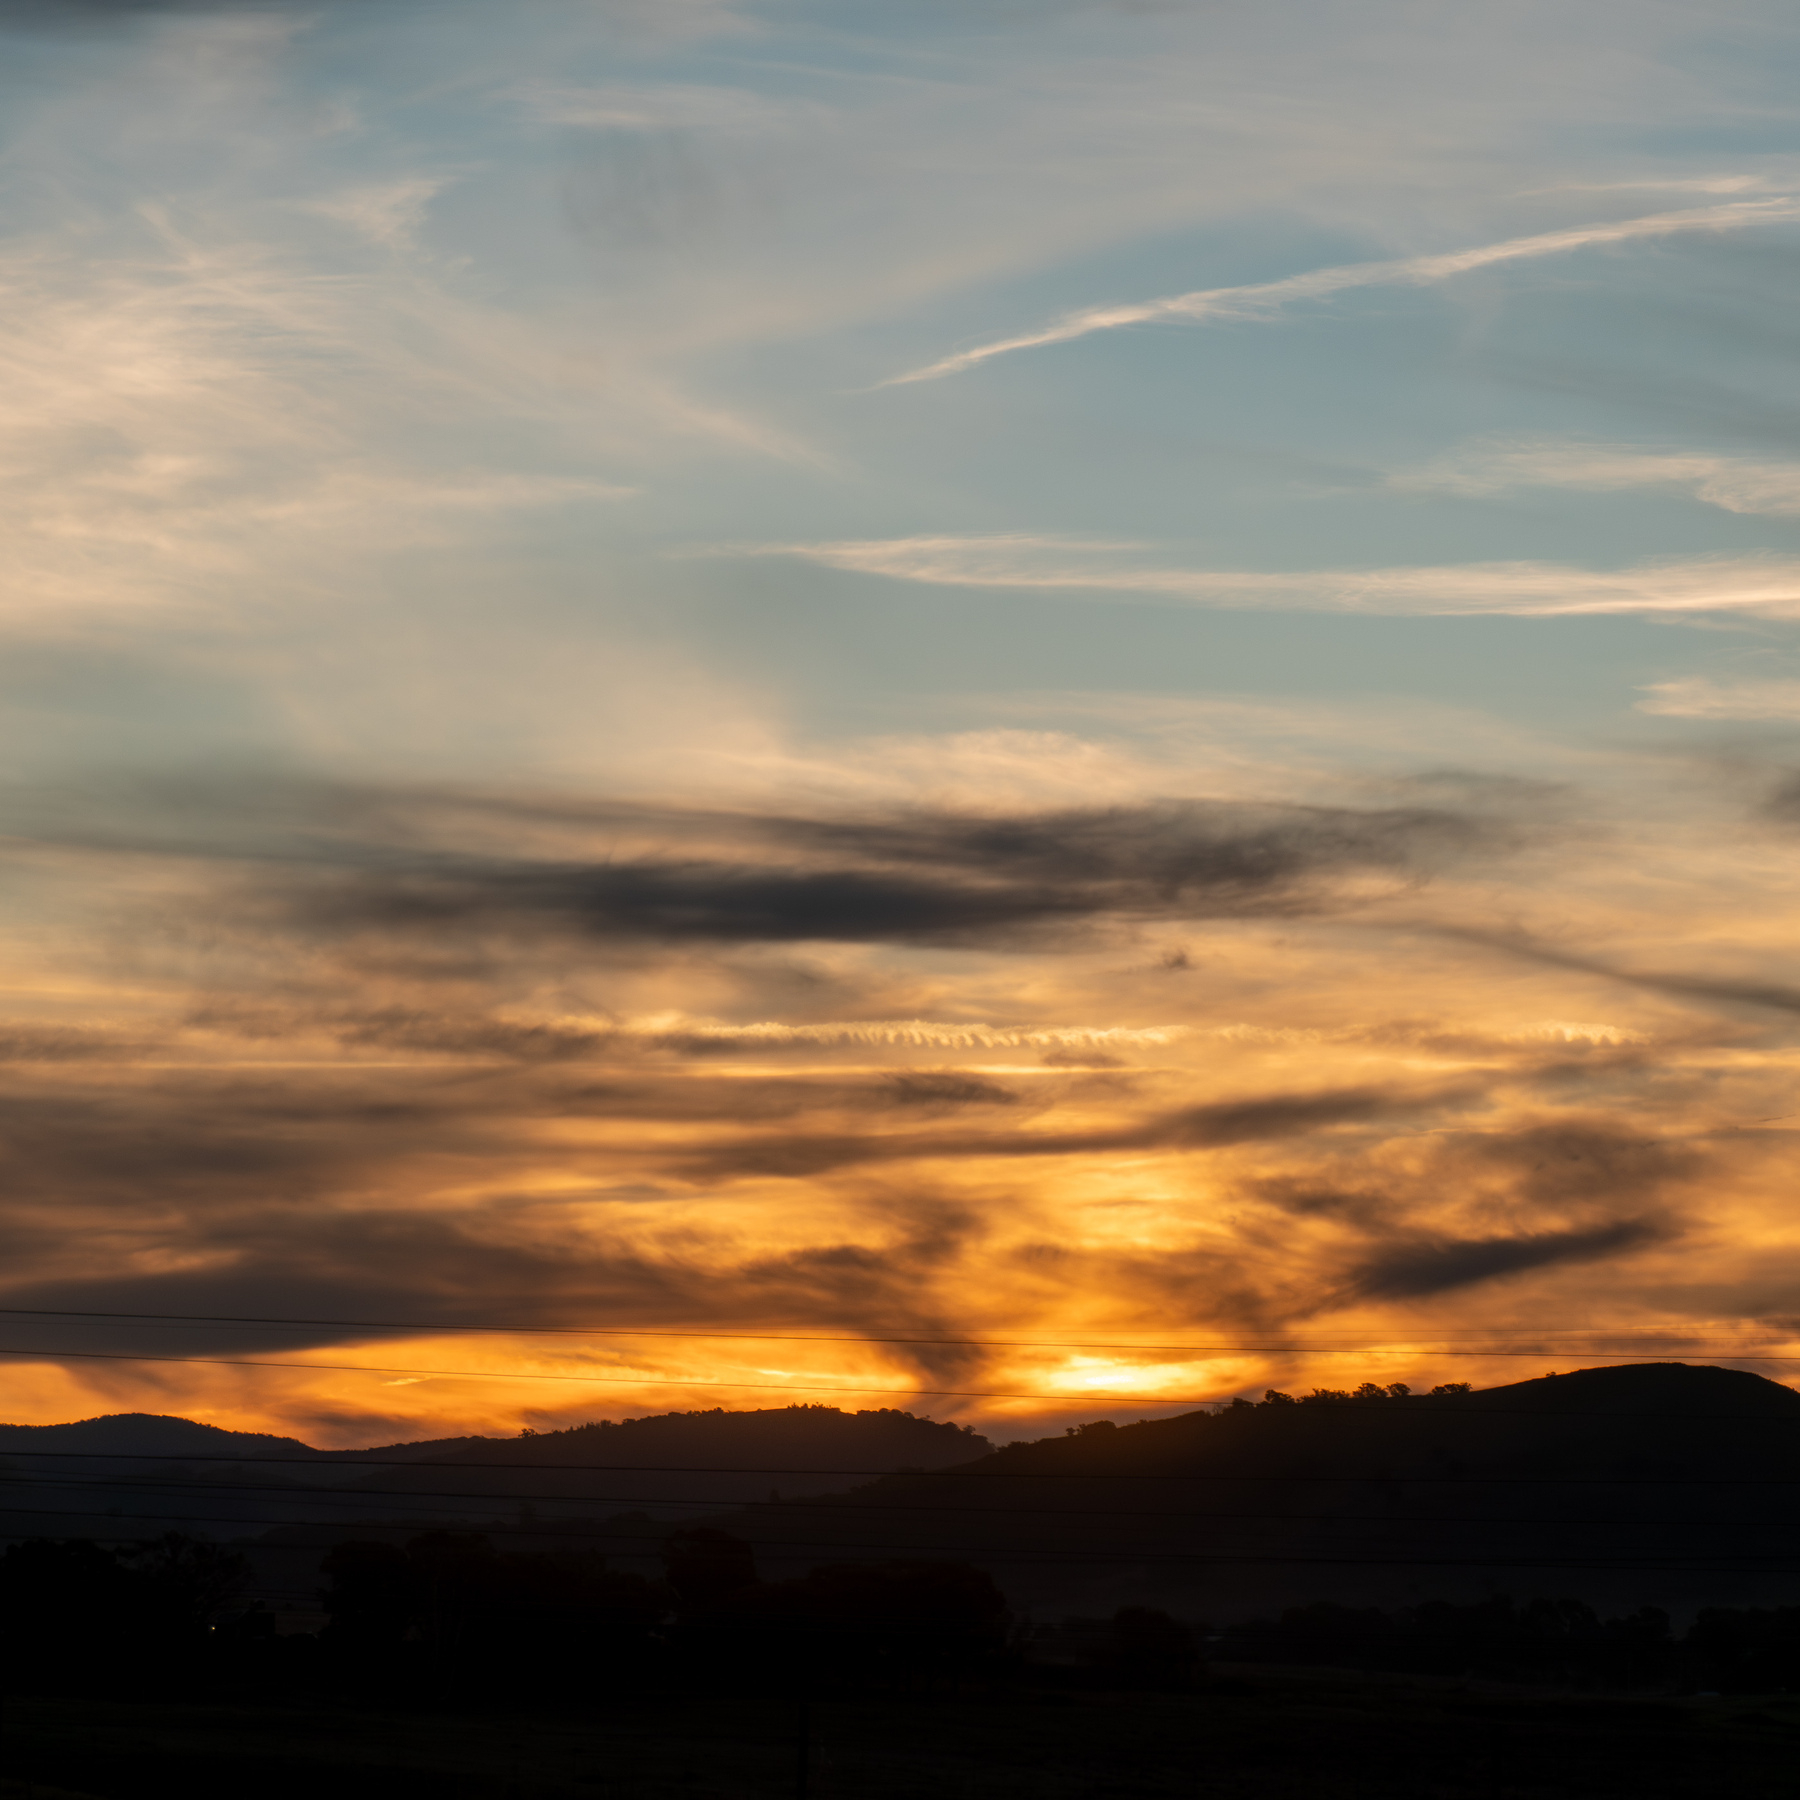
1546 1587
1654 1484
1662 1484
141 1474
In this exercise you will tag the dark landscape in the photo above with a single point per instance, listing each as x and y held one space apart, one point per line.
897 900
1577 1585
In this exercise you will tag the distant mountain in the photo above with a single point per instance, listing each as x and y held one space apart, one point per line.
147 1434
718 1457
1651 1484
136 1474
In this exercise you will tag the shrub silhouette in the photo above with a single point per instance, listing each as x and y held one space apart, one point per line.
1562 1640
1146 1650
1749 1650
706 1567
83 1618
449 1609
910 1625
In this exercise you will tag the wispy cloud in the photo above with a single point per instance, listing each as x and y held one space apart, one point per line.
1765 584
909 1033
893 877
1700 697
691 1121
1009 1008
1737 484
1674 184
1258 300
668 106
387 212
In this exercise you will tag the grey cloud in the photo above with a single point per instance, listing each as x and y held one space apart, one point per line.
1582 1162
1576 1165
1718 989
1268 1119
26 1044
919 877
76 13
430 1271
438 1030
195 1144
67 17
202 1144
1782 804
947 1087
1413 1269
336 861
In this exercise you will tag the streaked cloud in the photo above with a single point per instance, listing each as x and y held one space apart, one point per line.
441 886
1264 299
1766 585
921 1034
631 873
1702 697
670 106
1736 484
413 1107
390 212
1687 184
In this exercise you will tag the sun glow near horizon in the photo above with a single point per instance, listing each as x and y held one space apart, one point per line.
1241 835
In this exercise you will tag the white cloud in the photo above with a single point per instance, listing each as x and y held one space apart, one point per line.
197 417
1259 299
1737 484
1698 697
910 1033
388 212
1689 184
669 106
1769 585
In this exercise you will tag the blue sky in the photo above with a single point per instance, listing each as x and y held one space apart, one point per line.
433 429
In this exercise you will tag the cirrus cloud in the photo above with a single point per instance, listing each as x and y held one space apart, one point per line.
1263 299
1735 484
1768 584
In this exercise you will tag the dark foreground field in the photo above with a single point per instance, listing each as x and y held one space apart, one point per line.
1287 1734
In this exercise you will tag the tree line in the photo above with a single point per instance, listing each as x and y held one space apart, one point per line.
1563 1642
447 1618
448 1615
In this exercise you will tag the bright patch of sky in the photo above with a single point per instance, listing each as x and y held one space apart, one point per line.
755 403
447 355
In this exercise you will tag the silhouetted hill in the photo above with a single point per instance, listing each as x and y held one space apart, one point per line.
1653 1484
136 1474
147 1434
1658 1484
719 1457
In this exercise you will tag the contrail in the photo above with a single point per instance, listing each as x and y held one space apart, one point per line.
1261 298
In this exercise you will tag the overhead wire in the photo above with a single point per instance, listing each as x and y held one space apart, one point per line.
633 1381
1011 1554
828 1503
425 1328
963 1472
714 1385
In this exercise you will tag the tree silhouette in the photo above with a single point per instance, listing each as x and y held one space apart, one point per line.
1147 1650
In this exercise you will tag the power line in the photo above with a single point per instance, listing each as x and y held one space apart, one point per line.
713 1386
962 1472
426 1328
636 1381
931 1551
830 1503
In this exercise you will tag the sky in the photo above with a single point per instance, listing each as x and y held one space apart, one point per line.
1033 709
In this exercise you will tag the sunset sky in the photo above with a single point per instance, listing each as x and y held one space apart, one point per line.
1114 687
